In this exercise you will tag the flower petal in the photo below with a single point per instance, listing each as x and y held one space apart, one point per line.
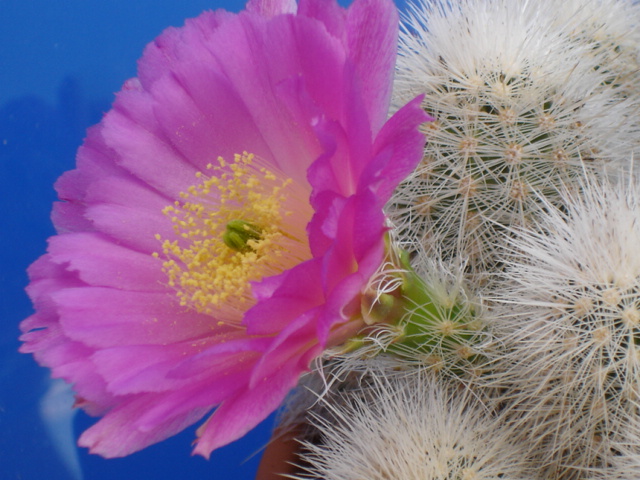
112 436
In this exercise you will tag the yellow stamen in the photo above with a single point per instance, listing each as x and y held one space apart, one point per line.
230 231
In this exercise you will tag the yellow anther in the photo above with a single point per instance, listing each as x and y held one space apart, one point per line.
230 232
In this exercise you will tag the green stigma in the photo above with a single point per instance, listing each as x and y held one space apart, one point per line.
238 233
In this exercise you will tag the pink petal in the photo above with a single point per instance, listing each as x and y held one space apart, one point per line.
271 8
69 217
210 359
280 299
100 262
111 437
131 130
240 413
157 368
131 226
94 160
397 148
372 27
297 343
104 317
330 14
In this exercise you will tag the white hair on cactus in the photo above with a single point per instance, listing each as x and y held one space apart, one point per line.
625 464
523 106
610 27
570 299
412 426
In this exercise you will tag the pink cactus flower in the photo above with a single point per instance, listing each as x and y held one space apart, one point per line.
223 220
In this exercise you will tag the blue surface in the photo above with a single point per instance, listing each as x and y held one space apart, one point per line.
60 63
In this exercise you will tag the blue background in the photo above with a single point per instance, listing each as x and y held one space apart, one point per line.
60 64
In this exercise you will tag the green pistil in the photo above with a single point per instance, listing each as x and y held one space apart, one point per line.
239 233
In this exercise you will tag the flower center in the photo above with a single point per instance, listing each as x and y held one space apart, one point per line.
238 234
242 223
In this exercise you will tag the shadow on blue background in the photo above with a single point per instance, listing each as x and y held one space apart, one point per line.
61 63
